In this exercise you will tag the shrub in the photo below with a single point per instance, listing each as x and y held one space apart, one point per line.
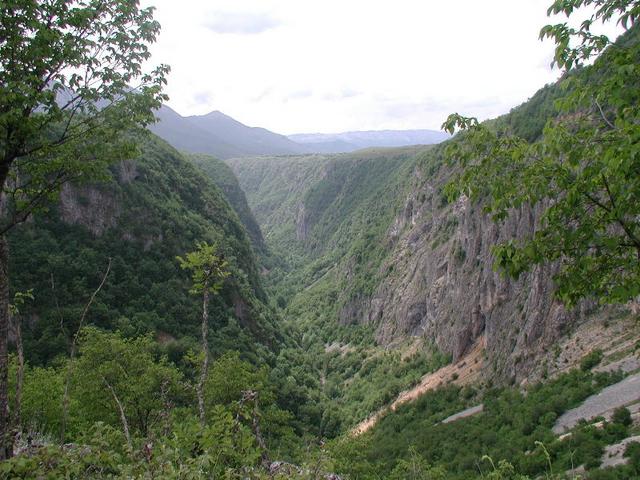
591 360
632 452
622 416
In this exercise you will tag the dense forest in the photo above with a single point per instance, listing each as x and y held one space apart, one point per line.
424 312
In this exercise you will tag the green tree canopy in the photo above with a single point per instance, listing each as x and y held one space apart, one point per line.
74 92
583 175
110 367
208 267
73 88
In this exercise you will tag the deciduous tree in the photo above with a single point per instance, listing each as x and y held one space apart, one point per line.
73 93
121 380
209 269
584 173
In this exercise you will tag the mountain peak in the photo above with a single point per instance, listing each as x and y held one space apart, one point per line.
213 113
220 135
216 133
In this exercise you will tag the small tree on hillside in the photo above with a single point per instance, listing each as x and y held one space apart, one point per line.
209 269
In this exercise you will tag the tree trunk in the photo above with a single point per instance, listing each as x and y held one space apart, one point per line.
165 414
252 396
205 350
17 408
123 417
65 400
6 437
72 353
255 426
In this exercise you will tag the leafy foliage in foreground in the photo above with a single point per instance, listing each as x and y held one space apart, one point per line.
132 413
583 172
514 429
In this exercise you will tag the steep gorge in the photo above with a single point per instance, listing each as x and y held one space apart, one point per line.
423 270
373 244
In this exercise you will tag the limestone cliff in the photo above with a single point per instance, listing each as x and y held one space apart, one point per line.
443 286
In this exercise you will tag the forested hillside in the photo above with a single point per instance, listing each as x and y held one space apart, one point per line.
139 222
224 178
313 208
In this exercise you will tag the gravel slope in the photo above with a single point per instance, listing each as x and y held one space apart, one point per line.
623 393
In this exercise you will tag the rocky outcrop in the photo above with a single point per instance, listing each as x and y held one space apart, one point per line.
469 333
94 208
127 171
443 286
101 206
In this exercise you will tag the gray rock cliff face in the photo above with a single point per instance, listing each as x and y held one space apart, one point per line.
95 208
442 286
302 223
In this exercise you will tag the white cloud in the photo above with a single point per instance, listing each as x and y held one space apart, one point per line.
246 23
300 66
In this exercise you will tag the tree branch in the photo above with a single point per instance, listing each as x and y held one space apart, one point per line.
611 125
620 221
123 417
72 354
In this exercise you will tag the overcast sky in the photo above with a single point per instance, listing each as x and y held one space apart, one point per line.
296 66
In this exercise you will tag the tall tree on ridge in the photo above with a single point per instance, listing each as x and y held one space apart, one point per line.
209 269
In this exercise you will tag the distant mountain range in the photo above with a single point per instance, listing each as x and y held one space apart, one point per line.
219 135
351 141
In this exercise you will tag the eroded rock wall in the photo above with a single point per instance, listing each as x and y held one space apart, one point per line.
439 283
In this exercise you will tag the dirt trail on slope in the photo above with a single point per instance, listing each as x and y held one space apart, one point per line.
465 371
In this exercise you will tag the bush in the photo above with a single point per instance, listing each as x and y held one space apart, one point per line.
591 360
622 416
632 452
